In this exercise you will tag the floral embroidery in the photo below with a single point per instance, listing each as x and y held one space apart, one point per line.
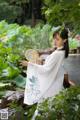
33 90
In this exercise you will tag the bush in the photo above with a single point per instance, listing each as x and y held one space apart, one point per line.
73 43
65 106
14 41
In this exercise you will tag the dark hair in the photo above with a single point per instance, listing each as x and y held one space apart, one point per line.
64 35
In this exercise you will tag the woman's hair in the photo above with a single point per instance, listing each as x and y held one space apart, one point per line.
64 35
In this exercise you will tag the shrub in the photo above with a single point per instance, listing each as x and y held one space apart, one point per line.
65 106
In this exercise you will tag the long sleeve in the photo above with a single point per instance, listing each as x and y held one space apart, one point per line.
47 51
50 62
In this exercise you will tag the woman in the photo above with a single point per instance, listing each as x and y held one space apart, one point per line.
46 80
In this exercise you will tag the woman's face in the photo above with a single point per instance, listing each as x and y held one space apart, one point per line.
58 42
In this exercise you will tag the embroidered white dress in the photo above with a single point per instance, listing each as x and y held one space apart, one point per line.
46 80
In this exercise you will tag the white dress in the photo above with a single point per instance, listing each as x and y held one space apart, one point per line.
46 80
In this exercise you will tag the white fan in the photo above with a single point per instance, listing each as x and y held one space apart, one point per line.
32 56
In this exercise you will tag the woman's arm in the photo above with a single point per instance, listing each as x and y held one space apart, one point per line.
54 59
47 51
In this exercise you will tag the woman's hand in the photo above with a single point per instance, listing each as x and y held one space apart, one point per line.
24 63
